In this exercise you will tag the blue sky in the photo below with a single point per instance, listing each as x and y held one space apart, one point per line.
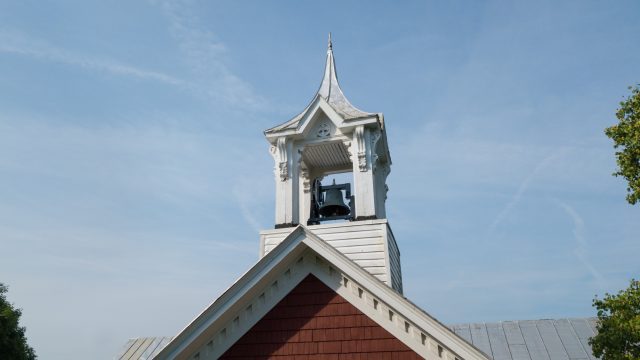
134 176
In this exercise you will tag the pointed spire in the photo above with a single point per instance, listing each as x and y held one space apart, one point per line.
331 92
330 88
330 79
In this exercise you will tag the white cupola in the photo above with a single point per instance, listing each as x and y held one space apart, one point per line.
330 136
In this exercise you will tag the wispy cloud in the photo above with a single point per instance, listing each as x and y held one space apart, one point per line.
205 55
19 44
524 185
582 250
243 202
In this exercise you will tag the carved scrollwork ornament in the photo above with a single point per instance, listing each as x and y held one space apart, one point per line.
362 150
374 162
306 180
273 150
375 137
283 162
347 144
283 170
362 161
385 169
304 172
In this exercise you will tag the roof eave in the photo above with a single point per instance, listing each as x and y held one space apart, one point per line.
191 337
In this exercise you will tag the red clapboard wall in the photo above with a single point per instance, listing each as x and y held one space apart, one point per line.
313 322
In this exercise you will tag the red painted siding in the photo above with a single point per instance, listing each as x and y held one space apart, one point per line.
312 323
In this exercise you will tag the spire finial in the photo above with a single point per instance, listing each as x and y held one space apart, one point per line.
330 45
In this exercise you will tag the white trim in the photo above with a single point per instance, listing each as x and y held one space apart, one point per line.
337 119
213 315
227 318
318 104
363 242
386 295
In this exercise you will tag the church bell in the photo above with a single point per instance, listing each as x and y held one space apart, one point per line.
333 204
328 202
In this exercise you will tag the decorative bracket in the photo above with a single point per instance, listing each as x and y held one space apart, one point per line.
375 137
304 173
361 148
283 164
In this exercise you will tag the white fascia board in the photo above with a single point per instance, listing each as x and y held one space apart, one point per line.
319 103
273 137
350 124
396 301
307 115
188 335
302 240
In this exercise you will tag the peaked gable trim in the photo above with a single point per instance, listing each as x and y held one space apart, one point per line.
318 104
302 253
246 286
299 123
402 314
314 320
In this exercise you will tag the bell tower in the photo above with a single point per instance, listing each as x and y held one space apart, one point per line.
331 136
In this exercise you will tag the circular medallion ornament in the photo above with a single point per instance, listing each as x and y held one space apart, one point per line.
324 130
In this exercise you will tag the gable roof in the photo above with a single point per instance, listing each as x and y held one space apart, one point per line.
143 348
302 253
548 339
329 91
313 320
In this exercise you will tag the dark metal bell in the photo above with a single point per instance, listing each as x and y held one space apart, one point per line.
333 204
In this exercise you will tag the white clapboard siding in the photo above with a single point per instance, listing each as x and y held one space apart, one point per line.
368 243
352 235
366 255
353 250
394 262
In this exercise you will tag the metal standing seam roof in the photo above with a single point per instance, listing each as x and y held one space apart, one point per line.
144 348
558 339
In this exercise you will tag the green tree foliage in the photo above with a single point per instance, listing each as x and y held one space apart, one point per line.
626 136
618 335
13 342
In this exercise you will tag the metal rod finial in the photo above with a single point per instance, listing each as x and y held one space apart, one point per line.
330 44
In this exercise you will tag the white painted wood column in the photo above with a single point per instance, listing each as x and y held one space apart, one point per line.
363 182
304 192
281 153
